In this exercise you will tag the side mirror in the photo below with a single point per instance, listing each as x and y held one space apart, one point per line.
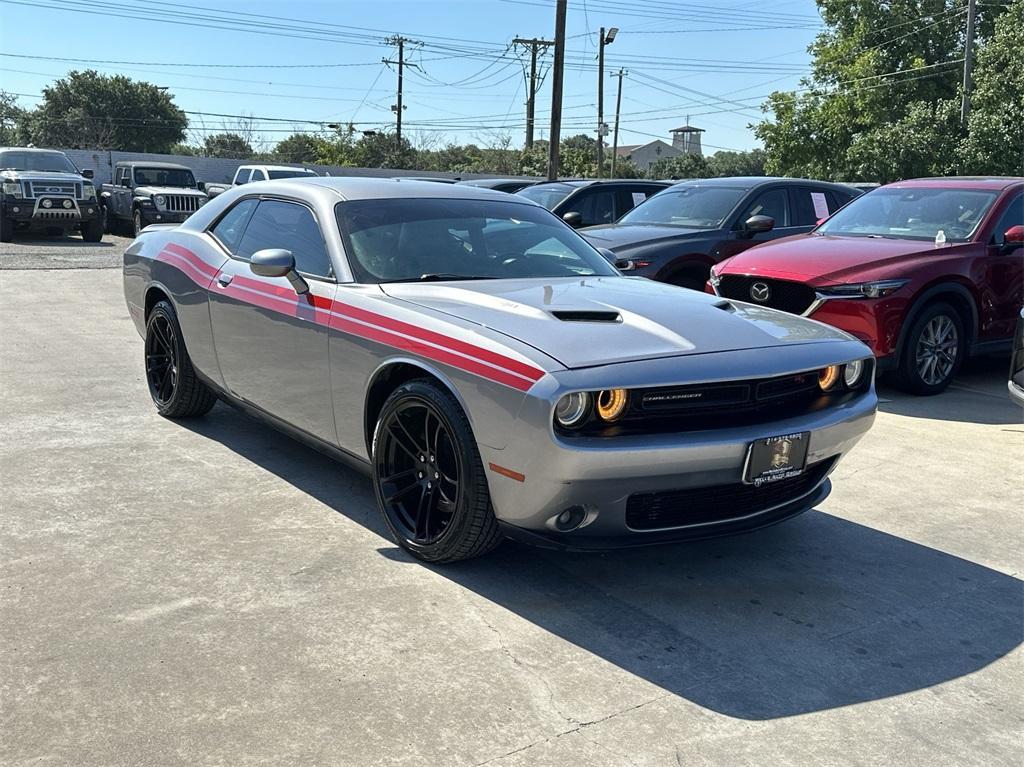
573 219
758 224
1013 238
88 173
277 262
201 186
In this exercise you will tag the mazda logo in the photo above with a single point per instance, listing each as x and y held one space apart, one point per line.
760 291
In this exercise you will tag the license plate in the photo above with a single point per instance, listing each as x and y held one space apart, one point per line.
775 458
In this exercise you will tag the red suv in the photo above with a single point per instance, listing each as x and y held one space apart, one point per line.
925 272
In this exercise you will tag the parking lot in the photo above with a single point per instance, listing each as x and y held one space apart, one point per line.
211 592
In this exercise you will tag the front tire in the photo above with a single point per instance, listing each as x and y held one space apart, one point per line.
932 351
428 476
692 277
173 384
137 225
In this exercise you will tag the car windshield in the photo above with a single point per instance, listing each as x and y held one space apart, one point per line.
912 214
405 240
698 207
164 177
46 162
548 195
298 172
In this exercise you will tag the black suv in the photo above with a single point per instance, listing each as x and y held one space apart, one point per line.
591 202
677 236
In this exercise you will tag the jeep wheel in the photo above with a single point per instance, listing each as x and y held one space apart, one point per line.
932 351
137 224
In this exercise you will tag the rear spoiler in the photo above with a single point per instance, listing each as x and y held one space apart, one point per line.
158 227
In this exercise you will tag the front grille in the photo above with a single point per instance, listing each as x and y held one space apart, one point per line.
718 503
57 215
48 188
181 203
793 297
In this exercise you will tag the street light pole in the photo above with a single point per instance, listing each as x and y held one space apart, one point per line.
618 107
602 42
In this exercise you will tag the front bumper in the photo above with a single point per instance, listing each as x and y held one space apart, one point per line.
152 215
601 474
32 214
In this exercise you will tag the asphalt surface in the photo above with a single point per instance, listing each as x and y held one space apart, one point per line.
212 593
39 251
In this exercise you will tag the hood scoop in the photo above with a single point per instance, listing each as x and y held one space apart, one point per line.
585 315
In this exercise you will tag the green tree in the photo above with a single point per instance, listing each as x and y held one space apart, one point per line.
679 167
383 150
727 163
297 148
185 150
995 138
229 145
12 118
881 72
94 111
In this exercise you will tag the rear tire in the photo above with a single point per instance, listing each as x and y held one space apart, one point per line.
428 476
932 351
173 384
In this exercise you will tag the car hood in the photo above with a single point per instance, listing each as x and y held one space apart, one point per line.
38 175
641 319
619 237
151 190
828 259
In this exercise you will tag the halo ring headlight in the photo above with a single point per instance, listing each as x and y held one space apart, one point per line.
853 373
611 404
828 377
572 409
159 199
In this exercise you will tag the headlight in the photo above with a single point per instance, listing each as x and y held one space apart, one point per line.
159 199
714 279
611 404
47 203
12 187
853 373
89 191
828 377
863 289
68 204
572 409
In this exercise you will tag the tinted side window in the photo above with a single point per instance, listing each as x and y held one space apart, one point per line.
771 203
258 175
241 176
231 226
1012 216
809 205
288 225
597 207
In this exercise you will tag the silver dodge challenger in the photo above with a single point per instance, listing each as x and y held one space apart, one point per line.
496 375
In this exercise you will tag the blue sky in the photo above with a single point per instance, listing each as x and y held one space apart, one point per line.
320 61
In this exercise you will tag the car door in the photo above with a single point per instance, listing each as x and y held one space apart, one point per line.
774 203
272 342
999 272
595 206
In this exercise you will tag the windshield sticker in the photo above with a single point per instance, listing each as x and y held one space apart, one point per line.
820 204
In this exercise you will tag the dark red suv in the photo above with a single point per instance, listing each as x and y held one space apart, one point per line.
926 272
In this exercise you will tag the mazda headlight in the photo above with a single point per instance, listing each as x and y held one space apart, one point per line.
13 188
879 289
159 200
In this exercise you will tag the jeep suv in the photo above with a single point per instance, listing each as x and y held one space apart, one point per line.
926 272
145 193
44 191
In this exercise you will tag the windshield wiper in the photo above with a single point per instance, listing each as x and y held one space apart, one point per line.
441 277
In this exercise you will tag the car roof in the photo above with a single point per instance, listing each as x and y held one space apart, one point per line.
164 165
958 182
365 188
278 167
752 182
33 149
490 182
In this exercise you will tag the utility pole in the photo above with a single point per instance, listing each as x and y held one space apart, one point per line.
533 44
618 106
397 108
965 106
556 92
602 42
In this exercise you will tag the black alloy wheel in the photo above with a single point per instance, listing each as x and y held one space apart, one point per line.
173 384
429 478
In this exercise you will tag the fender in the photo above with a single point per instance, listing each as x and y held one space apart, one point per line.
925 296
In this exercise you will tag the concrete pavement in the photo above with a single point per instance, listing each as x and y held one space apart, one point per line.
214 593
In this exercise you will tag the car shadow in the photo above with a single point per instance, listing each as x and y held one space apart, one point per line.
813 614
977 395
34 239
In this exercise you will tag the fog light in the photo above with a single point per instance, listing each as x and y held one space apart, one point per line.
88 211
47 203
853 373
159 217
15 209
611 404
571 518
828 377
572 408
68 204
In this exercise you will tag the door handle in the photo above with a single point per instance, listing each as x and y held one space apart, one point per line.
224 279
